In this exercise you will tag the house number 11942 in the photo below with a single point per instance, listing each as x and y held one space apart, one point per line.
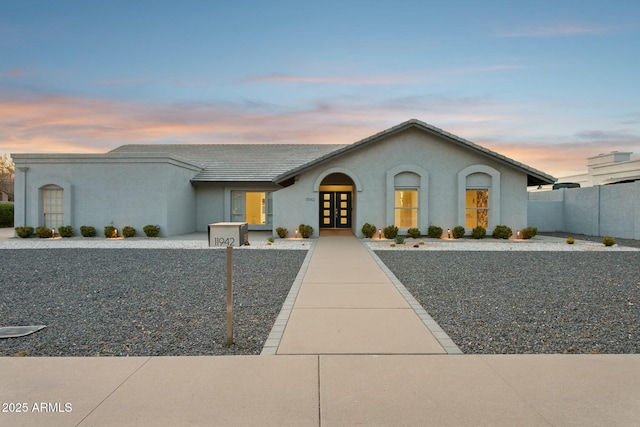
223 241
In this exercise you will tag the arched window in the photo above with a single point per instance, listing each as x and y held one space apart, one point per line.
53 206
479 197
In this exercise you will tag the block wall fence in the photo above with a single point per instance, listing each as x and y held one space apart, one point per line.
603 210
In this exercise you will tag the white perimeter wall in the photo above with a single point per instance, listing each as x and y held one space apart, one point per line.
610 210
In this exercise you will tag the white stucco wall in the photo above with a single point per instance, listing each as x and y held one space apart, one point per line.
441 160
102 190
610 210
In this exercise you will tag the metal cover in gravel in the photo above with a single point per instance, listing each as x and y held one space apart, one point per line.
19 331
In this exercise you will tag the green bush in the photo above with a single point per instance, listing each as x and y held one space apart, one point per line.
479 232
270 239
502 232
109 231
368 230
400 240
390 232
458 232
570 240
151 230
128 231
305 230
24 232
87 231
529 232
413 233
434 232
65 231
43 232
282 232
609 241
6 215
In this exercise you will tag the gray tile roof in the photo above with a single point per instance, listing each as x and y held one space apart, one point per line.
280 162
238 162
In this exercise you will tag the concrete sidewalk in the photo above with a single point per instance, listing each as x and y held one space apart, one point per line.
353 348
322 390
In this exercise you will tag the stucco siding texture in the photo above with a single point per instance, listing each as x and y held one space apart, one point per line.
441 159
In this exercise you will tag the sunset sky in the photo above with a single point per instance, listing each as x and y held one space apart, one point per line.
547 83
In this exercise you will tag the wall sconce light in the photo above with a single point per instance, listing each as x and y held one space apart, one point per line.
53 232
296 234
115 233
518 234
379 233
449 233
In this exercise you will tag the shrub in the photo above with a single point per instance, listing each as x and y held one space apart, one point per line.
529 232
24 232
6 214
390 232
65 231
87 231
502 232
609 241
458 232
400 240
129 231
413 232
434 232
393 245
305 230
270 239
570 240
151 230
479 232
368 230
282 232
43 232
109 231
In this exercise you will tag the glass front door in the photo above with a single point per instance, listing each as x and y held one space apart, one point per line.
335 209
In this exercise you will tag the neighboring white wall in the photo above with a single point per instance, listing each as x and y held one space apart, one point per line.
611 210
437 161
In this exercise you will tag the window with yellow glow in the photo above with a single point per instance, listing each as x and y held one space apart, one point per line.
406 208
477 208
251 207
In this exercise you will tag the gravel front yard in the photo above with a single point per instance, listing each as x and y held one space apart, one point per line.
528 302
140 302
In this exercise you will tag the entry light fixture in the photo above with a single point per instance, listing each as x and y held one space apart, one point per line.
448 233
518 234
296 234
53 232
379 233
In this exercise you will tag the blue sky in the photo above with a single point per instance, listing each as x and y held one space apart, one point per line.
547 83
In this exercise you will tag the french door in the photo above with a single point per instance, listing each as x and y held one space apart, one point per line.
335 209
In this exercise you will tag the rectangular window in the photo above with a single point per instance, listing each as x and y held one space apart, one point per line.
251 207
477 208
406 208
53 203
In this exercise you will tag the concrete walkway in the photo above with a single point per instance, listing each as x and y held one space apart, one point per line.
352 349
348 305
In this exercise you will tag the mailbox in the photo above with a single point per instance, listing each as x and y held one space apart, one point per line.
228 234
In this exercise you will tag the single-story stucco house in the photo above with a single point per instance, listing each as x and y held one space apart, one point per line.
411 175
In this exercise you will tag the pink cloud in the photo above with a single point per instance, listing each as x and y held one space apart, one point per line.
286 78
66 124
555 31
14 73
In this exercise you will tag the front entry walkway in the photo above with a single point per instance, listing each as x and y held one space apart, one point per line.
347 304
